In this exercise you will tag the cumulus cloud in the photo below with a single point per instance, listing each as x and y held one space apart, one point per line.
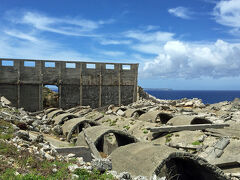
180 12
192 60
227 13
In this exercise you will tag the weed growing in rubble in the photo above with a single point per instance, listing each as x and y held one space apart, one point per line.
168 137
127 127
196 143
84 174
6 130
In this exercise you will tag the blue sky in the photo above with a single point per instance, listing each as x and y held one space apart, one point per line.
179 44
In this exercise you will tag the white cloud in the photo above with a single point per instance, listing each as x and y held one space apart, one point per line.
113 53
31 47
192 60
66 26
180 12
228 13
157 36
114 41
20 35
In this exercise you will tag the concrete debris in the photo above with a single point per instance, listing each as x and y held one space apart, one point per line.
138 138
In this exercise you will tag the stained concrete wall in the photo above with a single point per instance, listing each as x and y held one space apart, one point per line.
78 85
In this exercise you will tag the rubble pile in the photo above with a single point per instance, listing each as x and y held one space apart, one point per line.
142 140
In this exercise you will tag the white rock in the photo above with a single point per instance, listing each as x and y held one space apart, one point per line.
120 112
54 170
74 176
71 155
72 167
49 157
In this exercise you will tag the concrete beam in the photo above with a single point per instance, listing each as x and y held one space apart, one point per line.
186 127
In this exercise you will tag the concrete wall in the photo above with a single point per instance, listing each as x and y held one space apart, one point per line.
104 84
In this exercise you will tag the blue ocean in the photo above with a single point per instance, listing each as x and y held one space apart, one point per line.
207 96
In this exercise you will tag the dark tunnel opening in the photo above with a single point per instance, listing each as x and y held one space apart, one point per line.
121 140
200 121
164 118
188 169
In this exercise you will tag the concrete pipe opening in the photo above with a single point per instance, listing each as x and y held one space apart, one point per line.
185 166
137 113
198 120
110 141
163 118
78 128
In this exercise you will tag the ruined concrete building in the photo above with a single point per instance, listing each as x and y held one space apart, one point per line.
79 83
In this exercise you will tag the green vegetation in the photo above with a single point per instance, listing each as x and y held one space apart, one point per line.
113 123
196 143
168 137
27 166
85 175
127 127
6 130
145 131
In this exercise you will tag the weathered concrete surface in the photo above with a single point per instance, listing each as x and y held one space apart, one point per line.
155 117
78 85
187 120
79 151
47 111
139 158
55 113
61 118
76 124
186 127
134 113
96 134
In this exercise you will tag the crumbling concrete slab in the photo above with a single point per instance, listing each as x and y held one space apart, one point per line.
61 118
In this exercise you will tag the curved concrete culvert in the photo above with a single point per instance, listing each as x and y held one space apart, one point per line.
61 118
187 120
74 126
155 117
135 113
94 115
185 166
140 158
47 111
77 108
106 139
55 113
82 112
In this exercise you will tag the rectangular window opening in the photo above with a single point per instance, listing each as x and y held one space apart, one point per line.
7 63
70 65
110 66
126 67
50 64
50 96
29 63
91 66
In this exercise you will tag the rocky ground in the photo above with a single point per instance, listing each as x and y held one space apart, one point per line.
121 140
